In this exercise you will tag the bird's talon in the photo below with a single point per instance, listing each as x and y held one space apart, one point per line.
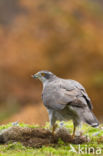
73 136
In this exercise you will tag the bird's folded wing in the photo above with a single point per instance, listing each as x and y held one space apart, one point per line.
66 93
74 97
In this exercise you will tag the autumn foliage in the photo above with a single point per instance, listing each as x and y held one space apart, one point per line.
65 37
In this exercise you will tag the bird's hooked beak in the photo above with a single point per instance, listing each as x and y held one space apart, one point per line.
35 76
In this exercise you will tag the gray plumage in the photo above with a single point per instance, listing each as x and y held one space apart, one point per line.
66 100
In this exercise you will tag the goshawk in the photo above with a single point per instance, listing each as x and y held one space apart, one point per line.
65 100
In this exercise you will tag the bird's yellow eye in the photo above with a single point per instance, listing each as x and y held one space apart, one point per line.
43 74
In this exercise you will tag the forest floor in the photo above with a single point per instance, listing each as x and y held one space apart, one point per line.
19 139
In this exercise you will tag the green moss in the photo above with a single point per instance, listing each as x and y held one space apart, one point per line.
17 149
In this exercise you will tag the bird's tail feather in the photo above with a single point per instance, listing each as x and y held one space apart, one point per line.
90 118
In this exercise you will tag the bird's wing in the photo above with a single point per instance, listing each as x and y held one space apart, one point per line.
84 94
77 90
66 93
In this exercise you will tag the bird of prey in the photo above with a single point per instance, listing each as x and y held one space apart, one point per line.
65 99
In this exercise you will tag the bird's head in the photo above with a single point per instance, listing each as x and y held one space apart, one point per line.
44 75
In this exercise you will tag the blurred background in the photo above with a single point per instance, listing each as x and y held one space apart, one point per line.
65 37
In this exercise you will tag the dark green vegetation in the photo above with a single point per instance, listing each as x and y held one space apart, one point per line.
94 146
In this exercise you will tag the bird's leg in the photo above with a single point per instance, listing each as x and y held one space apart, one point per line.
74 129
80 132
54 128
52 120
